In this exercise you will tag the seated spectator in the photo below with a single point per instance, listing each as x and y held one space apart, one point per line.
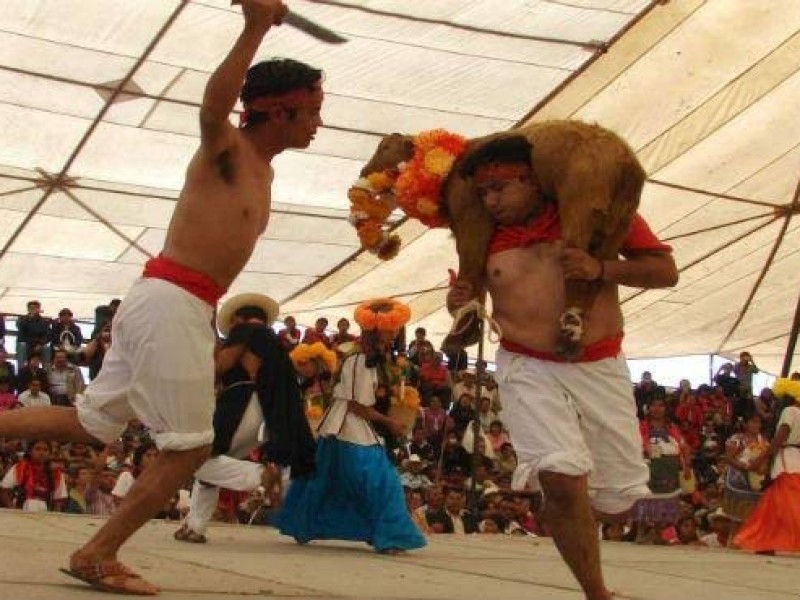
290 336
34 396
436 422
32 370
33 333
8 400
524 514
490 390
497 435
81 477
342 335
413 477
7 370
486 415
434 501
720 524
508 510
687 531
33 484
485 455
507 459
99 496
420 446
65 333
78 452
415 500
463 412
454 518
455 458
317 334
434 378
483 474
419 345
65 380
464 383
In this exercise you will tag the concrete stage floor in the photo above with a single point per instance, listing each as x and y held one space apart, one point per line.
256 562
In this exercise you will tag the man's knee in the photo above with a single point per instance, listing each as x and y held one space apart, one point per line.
563 492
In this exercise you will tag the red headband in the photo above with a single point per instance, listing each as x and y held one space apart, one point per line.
500 172
302 98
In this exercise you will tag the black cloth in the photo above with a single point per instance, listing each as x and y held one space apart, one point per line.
443 517
290 439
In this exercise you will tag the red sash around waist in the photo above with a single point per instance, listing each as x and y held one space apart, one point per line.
606 348
197 284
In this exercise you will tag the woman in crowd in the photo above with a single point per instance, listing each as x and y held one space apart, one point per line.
743 479
33 484
669 459
774 525
355 493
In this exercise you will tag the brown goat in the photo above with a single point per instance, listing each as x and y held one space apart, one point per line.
592 174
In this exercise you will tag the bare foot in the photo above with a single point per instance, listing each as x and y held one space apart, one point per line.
394 552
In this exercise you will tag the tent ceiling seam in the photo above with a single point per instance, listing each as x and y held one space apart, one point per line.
88 133
767 265
596 56
449 24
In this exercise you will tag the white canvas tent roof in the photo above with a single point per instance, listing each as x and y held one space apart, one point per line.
98 118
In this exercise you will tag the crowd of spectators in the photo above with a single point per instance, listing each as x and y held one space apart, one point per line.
454 482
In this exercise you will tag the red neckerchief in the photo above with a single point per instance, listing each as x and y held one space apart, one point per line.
545 228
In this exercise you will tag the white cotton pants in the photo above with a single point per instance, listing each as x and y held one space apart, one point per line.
160 369
575 419
227 470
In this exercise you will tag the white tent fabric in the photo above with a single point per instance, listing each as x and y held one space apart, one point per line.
98 118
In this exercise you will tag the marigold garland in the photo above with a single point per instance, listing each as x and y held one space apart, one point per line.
383 314
306 352
417 191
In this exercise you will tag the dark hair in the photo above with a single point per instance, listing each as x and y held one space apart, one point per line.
33 303
420 330
343 320
251 312
505 149
140 451
277 76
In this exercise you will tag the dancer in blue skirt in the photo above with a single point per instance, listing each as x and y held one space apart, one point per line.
355 493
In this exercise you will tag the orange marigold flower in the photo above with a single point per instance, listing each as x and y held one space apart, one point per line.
383 314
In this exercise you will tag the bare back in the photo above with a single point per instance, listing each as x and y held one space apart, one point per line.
528 295
222 210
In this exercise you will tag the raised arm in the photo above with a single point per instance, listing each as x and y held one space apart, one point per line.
222 89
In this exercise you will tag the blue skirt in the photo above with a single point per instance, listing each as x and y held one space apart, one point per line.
355 495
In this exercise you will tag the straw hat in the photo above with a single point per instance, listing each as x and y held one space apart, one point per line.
231 305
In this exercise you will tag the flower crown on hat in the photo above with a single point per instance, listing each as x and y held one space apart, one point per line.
382 314
307 352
